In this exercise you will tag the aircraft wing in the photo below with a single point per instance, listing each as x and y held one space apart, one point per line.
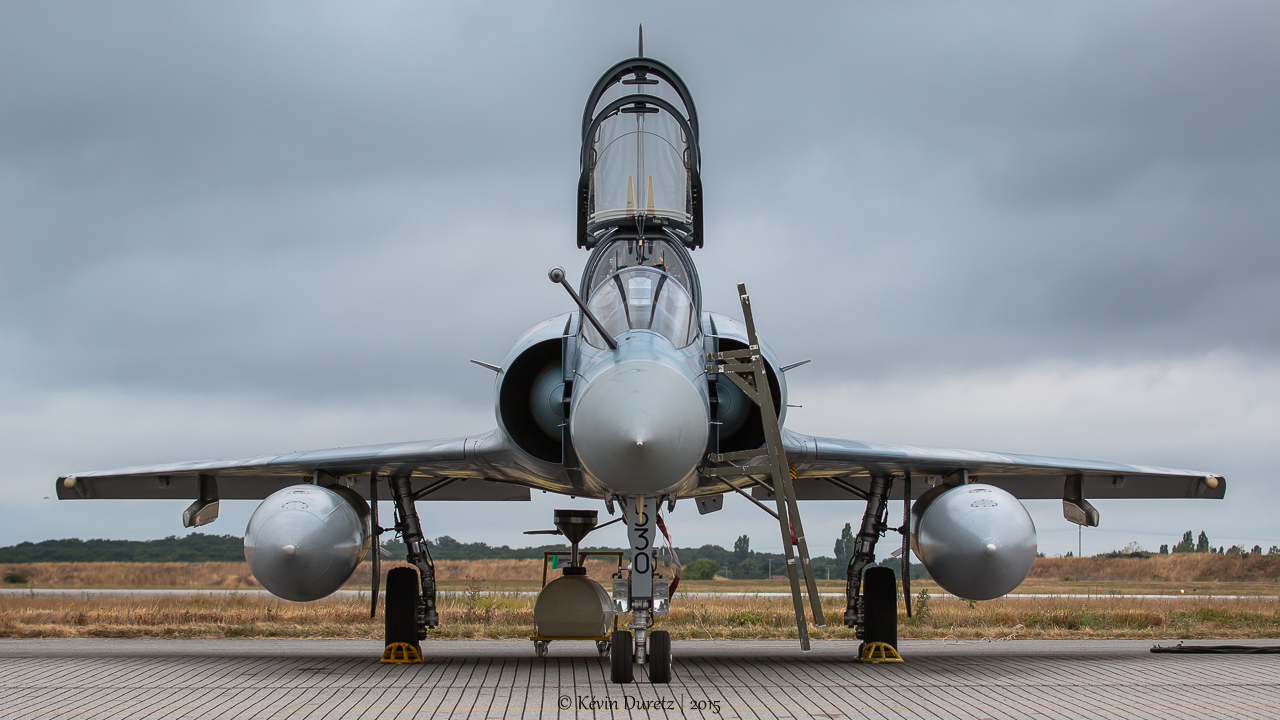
1025 476
254 478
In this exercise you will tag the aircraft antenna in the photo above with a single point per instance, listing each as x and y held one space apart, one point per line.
640 51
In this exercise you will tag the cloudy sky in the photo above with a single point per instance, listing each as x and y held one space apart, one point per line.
239 228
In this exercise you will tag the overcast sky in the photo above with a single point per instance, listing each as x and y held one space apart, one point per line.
238 228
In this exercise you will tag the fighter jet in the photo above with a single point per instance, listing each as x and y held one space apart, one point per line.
641 398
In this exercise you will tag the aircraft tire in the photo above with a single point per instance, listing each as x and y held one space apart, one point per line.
880 600
401 609
660 657
620 667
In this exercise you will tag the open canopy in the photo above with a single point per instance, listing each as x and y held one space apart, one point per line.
640 162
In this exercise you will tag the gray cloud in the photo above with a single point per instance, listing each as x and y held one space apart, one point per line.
326 209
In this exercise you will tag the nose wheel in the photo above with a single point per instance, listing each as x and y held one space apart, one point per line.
622 657
620 668
659 657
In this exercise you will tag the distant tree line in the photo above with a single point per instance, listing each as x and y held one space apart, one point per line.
1201 545
708 561
1189 544
196 547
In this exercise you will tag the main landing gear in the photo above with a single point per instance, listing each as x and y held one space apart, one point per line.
871 596
411 592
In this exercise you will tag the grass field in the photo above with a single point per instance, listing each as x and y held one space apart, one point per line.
480 602
507 616
1253 574
1198 574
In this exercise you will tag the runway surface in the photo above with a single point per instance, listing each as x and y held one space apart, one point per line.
733 679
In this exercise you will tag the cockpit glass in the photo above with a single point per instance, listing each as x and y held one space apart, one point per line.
639 292
655 252
640 166
642 298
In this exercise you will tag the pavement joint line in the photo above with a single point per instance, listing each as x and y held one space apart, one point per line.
317 679
355 708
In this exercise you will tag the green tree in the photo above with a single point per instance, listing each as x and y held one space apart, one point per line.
742 547
1187 545
701 569
1257 550
1235 550
748 569
844 545
1202 543
1273 550
1164 549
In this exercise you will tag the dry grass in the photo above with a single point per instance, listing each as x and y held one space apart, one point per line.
1168 574
494 570
226 575
1181 567
236 575
507 616
466 612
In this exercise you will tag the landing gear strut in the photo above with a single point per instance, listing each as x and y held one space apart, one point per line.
872 610
410 608
641 513
644 597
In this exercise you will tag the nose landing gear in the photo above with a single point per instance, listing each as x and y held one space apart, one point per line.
642 595
622 657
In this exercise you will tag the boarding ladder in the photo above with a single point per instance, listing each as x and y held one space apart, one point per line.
746 369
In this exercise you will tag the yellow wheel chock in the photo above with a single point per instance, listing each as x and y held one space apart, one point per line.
401 654
878 652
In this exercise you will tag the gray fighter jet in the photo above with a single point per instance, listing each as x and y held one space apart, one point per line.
640 397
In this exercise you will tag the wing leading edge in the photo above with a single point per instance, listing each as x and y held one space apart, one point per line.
254 478
1025 476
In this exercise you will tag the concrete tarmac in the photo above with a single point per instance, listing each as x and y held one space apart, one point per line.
92 678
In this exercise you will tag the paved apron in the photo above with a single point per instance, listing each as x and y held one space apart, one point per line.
732 679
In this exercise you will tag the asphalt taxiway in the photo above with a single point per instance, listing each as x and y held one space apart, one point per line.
92 678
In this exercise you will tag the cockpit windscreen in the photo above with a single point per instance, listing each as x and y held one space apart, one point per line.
642 298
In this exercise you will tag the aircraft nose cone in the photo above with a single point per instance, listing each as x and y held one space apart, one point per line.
640 427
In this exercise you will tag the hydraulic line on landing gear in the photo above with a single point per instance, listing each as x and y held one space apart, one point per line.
874 524
410 530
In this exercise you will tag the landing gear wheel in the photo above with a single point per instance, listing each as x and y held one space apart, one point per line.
602 647
540 647
660 657
880 606
402 607
620 668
